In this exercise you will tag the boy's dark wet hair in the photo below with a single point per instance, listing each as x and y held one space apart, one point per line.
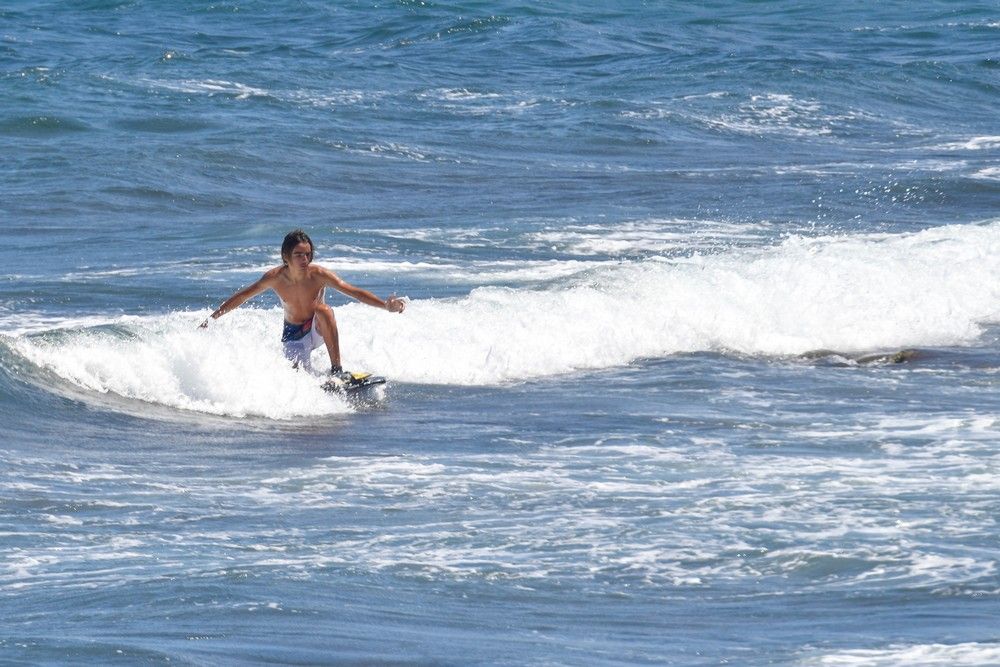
292 239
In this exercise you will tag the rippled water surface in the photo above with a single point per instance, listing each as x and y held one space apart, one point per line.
698 367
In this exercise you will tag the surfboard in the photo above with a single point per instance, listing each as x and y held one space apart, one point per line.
357 384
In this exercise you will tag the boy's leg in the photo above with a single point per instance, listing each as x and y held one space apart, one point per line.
326 324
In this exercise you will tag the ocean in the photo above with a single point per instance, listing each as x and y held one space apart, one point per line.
698 366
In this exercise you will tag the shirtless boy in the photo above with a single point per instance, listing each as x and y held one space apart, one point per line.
309 322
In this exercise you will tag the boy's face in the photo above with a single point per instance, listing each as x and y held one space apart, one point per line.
300 256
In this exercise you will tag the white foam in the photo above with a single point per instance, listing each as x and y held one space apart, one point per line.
713 95
916 655
676 510
973 144
336 98
851 294
645 237
62 520
988 174
234 368
460 100
463 95
778 113
390 150
235 89
20 324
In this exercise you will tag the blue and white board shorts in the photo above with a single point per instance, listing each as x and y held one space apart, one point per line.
299 341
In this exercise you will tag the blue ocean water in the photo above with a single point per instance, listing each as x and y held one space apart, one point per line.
647 402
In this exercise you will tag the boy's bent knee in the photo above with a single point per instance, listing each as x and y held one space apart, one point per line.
324 314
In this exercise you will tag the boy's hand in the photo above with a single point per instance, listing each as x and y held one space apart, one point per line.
394 304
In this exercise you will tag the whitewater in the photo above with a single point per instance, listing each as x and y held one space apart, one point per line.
842 294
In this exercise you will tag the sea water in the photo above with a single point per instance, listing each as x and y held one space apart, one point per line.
644 405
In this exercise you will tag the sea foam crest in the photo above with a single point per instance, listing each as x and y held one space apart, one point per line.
850 294
988 174
973 144
916 655
782 114
232 369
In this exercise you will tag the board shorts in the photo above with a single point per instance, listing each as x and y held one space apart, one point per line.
299 340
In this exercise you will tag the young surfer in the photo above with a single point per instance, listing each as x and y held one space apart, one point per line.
300 284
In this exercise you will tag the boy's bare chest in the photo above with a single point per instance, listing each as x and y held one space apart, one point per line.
301 292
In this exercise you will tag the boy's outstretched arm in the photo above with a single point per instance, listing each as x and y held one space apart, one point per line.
243 295
393 304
